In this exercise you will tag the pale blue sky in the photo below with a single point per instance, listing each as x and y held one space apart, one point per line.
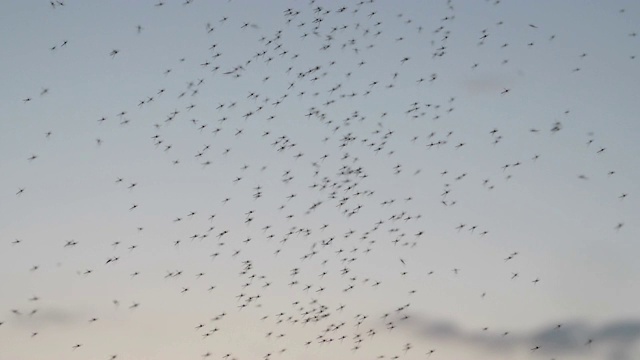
559 209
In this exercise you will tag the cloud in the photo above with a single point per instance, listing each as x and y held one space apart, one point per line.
487 84
619 339
623 331
50 316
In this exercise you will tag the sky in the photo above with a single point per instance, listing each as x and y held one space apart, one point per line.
319 180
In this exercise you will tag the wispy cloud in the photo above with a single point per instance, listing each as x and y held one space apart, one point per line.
49 316
619 339
488 84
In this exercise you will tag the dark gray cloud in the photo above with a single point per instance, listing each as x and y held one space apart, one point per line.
617 340
48 316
